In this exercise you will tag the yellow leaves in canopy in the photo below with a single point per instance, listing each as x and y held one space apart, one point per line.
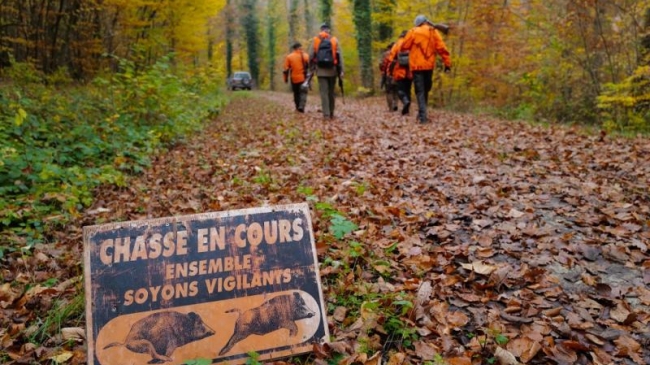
180 25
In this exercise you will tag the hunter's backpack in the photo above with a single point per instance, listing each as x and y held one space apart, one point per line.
325 54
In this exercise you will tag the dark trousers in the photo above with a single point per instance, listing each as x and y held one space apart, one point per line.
326 85
299 96
422 80
404 90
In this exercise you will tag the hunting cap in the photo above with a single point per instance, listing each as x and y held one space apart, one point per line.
324 26
420 19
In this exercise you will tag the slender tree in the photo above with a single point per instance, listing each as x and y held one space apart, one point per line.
250 23
229 36
309 19
293 21
363 27
645 39
326 11
272 22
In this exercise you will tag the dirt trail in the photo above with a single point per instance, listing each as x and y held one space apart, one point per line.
555 222
559 218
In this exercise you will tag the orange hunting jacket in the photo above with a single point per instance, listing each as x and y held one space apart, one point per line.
424 42
297 61
399 72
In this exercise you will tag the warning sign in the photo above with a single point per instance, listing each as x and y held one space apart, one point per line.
210 286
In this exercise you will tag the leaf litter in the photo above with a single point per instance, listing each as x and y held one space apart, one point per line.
467 240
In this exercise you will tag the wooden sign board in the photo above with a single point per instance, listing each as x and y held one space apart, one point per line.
210 286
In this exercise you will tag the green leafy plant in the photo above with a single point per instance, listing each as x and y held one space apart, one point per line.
335 359
501 339
308 192
340 226
391 249
437 360
394 324
263 178
59 141
487 340
327 209
360 188
356 249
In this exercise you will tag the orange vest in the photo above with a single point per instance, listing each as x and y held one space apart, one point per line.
297 61
399 72
334 41
423 43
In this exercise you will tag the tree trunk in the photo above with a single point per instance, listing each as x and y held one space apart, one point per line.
363 26
229 36
272 22
326 11
293 21
250 25
309 20
53 51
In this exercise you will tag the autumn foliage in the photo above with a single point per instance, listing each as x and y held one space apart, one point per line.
558 60
469 240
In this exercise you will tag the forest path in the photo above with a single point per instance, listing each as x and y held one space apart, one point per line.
555 221
502 236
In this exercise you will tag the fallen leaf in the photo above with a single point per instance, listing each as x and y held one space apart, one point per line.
425 350
514 213
62 357
374 359
563 355
531 352
620 313
459 361
505 357
396 359
480 267
424 292
457 319
340 313
515 319
73 333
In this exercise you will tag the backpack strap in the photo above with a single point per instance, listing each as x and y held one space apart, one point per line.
305 62
335 50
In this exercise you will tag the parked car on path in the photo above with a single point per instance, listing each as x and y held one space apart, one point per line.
241 80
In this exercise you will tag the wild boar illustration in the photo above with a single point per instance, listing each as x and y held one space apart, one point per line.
276 313
161 333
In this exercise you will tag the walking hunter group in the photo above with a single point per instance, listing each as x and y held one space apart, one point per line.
409 61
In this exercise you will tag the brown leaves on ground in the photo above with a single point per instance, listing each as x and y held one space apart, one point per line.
478 240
